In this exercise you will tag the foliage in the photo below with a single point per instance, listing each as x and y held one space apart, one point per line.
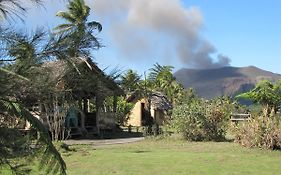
123 108
10 8
13 105
262 132
50 156
23 81
185 96
24 50
200 119
78 33
153 130
130 81
56 112
188 119
266 94
161 79
158 72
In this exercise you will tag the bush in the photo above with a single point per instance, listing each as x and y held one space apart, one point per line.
152 130
262 132
147 131
200 120
186 119
123 108
216 123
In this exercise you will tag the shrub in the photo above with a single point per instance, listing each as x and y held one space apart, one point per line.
216 123
153 130
123 108
262 132
200 120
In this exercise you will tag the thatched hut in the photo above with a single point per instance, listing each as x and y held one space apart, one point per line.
155 107
81 87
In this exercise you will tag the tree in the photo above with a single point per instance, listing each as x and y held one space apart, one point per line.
159 79
10 8
50 157
163 80
16 88
77 32
77 15
198 119
20 52
161 75
123 108
266 94
24 50
175 92
130 81
263 130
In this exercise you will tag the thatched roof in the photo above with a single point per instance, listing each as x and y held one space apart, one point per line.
56 69
81 72
132 96
158 99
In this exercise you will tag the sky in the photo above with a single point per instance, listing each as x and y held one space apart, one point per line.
198 34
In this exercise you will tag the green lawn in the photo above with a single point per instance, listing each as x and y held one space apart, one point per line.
172 157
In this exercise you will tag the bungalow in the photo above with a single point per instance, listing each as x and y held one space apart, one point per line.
146 110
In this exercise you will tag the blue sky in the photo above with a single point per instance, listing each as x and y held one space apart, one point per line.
249 32
246 32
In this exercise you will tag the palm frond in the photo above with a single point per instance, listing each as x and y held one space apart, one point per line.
13 74
38 36
79 34
51 157
95 25
157 70
66 16
63 28
115 73
10 8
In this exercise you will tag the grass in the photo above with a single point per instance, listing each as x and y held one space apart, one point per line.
166 157
170 156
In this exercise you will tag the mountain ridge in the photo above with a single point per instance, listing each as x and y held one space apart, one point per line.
229 81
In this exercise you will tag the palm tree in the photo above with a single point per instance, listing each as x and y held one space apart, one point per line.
159 71
23 52
20 50
79 34
164 81
130 81
174 92
162 76
77 15
9 8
